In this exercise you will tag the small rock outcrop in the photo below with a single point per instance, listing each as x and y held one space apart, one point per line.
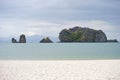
79 34
22 39
46 40
114 40
14 40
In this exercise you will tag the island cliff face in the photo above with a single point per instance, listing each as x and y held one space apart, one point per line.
79 34
21 40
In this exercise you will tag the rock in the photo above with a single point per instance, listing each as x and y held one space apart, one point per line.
79 34
46 40
114 40
22 39
14 40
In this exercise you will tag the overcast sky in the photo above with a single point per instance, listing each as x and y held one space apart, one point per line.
49 17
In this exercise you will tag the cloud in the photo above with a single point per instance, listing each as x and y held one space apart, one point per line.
61 10
48 17
28 27
44 28
95 24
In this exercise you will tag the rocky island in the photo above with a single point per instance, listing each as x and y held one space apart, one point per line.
22 39
14 40
79 34
114 40
46 40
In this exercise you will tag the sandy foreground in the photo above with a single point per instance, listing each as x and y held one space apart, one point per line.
60 70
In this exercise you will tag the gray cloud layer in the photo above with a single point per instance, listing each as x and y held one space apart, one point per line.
60 11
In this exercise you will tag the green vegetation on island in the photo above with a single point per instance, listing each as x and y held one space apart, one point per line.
79 34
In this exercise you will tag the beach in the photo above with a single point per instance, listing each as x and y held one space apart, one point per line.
59 69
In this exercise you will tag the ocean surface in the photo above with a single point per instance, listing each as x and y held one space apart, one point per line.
59 51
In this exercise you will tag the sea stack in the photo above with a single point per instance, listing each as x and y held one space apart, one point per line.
22 39
79 34
14 40
46 40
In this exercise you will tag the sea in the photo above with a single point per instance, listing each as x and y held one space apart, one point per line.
59 51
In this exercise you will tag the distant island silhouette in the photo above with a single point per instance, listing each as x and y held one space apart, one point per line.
75 34
21 40
46 40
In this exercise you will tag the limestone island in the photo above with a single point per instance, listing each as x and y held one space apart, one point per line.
22 39
75 34
80 34
46 40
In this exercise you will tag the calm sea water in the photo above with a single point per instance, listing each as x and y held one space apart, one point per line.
60 51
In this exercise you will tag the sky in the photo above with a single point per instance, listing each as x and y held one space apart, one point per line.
49 17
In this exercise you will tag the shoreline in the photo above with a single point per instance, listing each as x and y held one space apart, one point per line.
57 59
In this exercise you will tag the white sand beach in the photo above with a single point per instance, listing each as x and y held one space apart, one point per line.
60 70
